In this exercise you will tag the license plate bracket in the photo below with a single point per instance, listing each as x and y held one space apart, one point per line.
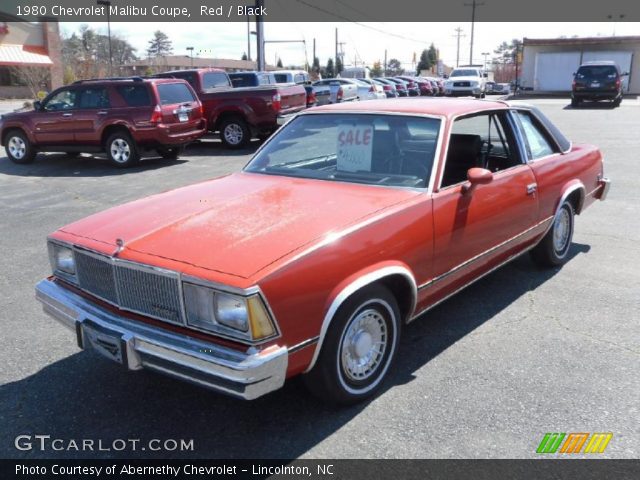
183 116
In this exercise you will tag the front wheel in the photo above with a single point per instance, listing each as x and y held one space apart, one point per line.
358 349
19 148
122 151
555 245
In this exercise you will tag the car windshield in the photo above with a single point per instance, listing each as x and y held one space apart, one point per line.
465 73
597 72
374 149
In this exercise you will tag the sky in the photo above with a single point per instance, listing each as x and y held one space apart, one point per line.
363 42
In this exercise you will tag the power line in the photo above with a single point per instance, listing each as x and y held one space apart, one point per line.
458 35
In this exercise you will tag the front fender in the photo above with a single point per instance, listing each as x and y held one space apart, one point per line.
356 282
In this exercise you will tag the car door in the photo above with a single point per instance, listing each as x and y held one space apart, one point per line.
54 123
93 109
476 228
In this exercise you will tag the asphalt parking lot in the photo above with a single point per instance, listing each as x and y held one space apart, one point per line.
484 375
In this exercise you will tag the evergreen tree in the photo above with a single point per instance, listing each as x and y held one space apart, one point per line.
159 45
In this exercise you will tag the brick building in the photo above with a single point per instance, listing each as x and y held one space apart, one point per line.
29 47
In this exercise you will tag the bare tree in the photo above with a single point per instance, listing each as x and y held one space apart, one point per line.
35 78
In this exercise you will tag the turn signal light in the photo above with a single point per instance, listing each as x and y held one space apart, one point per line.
156 116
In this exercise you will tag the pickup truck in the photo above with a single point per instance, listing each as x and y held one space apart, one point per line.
239 114
251 79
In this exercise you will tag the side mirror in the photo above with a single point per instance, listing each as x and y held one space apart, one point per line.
485 75
477 176
37 105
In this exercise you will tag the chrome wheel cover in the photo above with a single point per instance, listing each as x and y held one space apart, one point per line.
233 133
120 150
17 147
363 345
561 231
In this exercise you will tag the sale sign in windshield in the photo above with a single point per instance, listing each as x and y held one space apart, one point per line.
354 147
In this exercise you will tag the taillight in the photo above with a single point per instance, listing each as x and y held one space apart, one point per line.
617 83
156 116
276 102
201 110
386 87
573 84
340 93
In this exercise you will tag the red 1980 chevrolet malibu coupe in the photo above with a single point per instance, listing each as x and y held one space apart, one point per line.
351 221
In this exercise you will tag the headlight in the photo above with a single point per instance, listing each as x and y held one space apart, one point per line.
236 316
62 260
474 84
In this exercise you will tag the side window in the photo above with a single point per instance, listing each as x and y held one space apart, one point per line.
93 98
299 78
135 95
63 100
484 141
537 144
213 80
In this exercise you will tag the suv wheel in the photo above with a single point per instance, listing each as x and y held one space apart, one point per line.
122 150
234 133
575 102
617 101
18 147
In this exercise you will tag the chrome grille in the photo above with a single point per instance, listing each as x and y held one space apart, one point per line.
130 286
461 84
95 275
149 293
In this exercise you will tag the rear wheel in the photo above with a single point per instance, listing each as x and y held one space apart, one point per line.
617 101
555 245
234 132
358 349
575 102
122 151
18 147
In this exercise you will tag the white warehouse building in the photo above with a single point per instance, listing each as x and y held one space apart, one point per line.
548 64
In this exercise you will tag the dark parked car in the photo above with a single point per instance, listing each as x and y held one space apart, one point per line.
120 116
425 88
597 81
412 86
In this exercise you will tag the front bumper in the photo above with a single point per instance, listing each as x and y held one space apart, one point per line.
462 92
136 345
606 185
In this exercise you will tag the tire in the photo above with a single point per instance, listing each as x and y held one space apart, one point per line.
18 147
575 102
170 153
555 245
121 150
234 133
617 102
350 368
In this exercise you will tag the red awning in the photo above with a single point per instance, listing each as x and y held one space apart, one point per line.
16 55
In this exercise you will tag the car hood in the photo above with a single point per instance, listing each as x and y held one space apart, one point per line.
238 224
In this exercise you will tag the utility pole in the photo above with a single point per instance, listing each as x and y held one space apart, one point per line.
473 6
384 72
248 38
335 61
458 35
260 37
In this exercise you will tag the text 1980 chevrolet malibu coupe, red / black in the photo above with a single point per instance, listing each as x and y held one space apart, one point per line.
348 223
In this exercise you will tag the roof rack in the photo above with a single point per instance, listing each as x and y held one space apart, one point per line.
132 79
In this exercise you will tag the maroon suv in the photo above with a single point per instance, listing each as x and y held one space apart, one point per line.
121 117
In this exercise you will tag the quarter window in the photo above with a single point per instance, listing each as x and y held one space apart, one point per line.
537 144
135 95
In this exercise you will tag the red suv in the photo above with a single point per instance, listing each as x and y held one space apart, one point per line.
120 116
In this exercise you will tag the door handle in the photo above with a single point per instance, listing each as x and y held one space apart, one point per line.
532 188
67 114
102 112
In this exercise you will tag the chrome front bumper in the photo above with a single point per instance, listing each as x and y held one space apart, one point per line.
135 345
606 185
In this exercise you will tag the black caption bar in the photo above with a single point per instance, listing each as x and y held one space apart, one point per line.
321 10
319 469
